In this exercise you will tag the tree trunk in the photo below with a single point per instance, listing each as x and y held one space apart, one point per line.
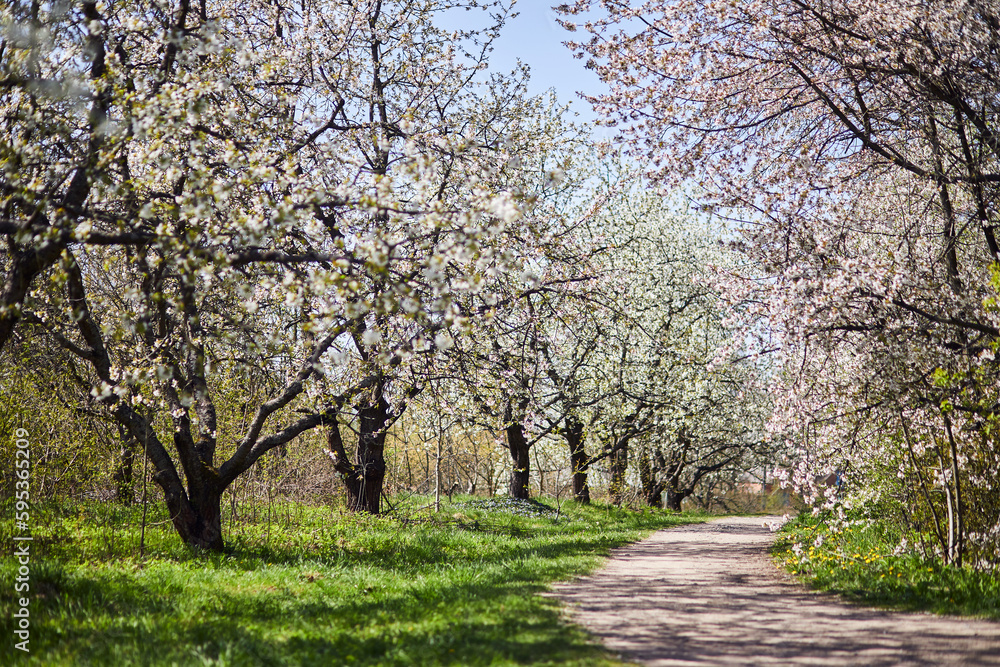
364 477
619 462
578 461
518 446
674 498
195 513
198 519
350 474
652 488
371 455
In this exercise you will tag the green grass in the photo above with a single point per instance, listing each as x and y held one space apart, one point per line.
315 587
859 560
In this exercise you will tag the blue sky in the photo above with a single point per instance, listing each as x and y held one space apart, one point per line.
536 39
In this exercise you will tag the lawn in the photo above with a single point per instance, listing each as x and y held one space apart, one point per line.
316 586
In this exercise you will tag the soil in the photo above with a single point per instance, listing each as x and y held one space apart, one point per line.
709 594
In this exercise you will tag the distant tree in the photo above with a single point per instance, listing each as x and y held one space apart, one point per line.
631 359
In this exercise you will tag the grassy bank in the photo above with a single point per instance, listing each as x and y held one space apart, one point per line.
862 560
311 586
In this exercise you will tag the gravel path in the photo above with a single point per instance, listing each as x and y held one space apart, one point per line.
708 594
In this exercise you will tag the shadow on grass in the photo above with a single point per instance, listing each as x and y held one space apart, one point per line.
446 589
953 591
492 619
862 565
429 597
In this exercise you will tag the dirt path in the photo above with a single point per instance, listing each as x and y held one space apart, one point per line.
707 594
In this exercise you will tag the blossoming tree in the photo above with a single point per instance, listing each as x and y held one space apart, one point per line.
857 143
253 192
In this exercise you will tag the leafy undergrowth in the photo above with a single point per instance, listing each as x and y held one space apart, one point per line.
315 587
863 560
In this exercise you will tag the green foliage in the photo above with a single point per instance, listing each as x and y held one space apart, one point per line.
873 562
313 586
72 451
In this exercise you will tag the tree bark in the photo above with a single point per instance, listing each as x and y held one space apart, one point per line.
959 505
198 518
518 446
578 460
619 462
652 488
350 474
371 455
195 513
674 498
363 478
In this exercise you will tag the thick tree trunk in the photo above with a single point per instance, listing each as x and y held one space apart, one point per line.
195 513
674 499
518 446
619 463
578 460
371 456
652 488
363 478
198 520
350 474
